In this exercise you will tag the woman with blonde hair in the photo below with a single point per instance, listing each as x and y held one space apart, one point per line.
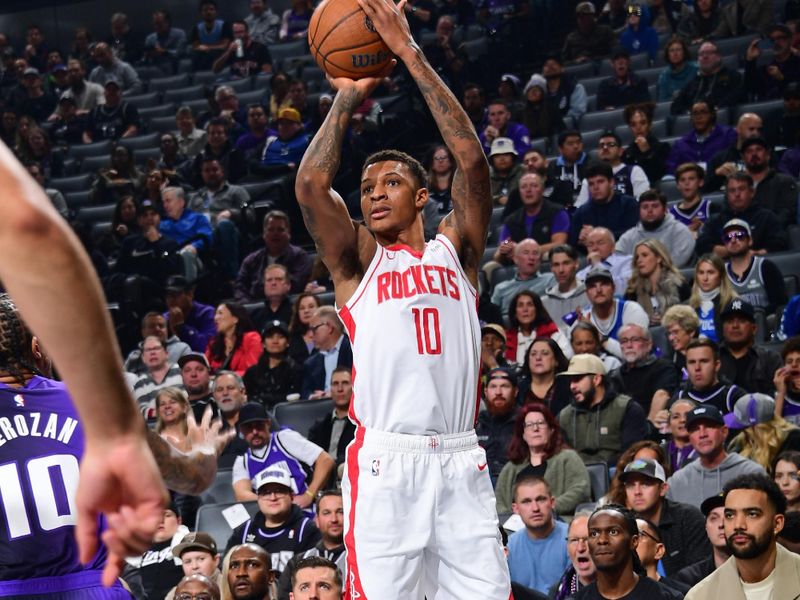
655 282
764 436
172 408
682 325
711 291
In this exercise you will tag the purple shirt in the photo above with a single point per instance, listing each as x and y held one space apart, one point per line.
690 149
560 224
198 326
519 135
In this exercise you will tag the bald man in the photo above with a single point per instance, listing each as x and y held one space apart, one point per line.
726 162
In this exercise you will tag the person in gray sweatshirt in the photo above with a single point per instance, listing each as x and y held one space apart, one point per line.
714 467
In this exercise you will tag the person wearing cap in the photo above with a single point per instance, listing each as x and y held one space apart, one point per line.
245 56
500 125
113 120
541 116
283 152
713 509
67 125
335 431
749 365
714 466
493 347
760 567
622 88
630 180
276 375
729 160
679 526
606 207
590 40
280 526
285 448
199 556
715 83
774 191
504 170
563 90
31 98
769 79
763 435
527 277
606 311
191 321
196 375
153 323
508 90
598 423
495 426
767 233
109 68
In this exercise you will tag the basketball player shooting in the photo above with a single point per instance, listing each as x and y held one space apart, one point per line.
420 517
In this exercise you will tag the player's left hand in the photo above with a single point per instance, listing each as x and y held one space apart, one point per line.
390 23
119 477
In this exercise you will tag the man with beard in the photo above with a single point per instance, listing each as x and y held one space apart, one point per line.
655 222
87 95
769 80
249 573
496 423
229 396
774 191
760 567
581 572
598 423
613 538
714 82
196 375
726 162
713 509
562 89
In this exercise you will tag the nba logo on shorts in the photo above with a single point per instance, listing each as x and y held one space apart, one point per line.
376 467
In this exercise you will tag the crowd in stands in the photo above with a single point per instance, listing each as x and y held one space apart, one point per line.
639 296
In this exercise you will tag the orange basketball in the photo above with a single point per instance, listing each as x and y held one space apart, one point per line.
344 42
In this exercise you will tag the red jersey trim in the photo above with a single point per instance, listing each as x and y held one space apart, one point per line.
353 587
405 248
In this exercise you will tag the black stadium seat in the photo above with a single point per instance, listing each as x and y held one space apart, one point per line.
101 148
211 521
302 414
93 214
78 183
603 120
162 84
184 94
140 142
598 478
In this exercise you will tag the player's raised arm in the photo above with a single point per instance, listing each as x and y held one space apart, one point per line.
466 226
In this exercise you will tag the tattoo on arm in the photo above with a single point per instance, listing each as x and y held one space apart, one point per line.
187 474
326 147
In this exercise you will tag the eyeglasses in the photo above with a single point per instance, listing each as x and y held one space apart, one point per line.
535 425
604 145
647 535
276 493
445 157
631 340
315 327
734 235
188 596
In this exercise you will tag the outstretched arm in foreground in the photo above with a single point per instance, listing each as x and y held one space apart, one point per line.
466 226
51 280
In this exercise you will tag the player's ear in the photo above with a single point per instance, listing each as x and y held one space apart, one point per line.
421 198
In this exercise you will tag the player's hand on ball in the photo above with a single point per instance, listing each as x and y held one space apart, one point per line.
364 86
390 22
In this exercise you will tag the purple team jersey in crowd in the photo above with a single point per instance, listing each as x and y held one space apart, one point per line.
41 444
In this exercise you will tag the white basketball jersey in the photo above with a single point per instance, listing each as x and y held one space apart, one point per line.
413 325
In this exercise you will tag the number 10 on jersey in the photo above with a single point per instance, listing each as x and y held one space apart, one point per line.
429 338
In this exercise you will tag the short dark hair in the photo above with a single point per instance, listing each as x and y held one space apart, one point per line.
653 194
342 369
208 159
676 39
646 108
599 169
690 166
611 134
204 2
497 100
568 133
628 516
164 13
241 22
761 483
740 176
326 494
416 168
653 527
564 249
527 479
317 562
789 346
703 342
277 214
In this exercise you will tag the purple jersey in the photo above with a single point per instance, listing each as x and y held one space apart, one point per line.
41 444
702 211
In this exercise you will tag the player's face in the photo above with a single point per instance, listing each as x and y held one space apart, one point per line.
196 377
341 389
330 519
643 493
677 420
751 524
534 504
702 367
248 574
167 527
715 527
390 198
316 583
227 394
536 431
787 476
610 543
274 500
578 548
198 562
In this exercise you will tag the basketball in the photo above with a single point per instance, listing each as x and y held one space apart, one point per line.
344 42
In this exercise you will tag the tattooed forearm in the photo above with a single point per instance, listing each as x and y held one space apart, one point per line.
325 149
311 225
183 473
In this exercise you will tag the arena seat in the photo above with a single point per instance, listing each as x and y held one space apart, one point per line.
80 151
221 491
93 214
162 84
669 188
141 142
91 164
787 262
590 140
598 479
210 520
182 94
476 48
253 97
581 71
760 108
502 274
602 120
77 199
162 124
76 183
141 101
682 124
207 77
241 85
591 84
302 414
162 110
198 106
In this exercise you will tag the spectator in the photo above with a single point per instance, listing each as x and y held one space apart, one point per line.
263 24
504 172
763 434
698 25
606 206
581 571
537 553
159 373
782 124
191 140
166 44
590 40
171 160
36 49
275 376
527 260
650 550
191 321
56 197
331 349
678 447
336 431
568 294
606 312
680 69
295 20
282 153
110 68
644 449
82 46
219 146
500 125
36 147
655 223
121 178
628 179
705 140
445 55
555 190
172 409
495 423
441 170
645 150
703 384
754 516
249 143
714 466
244 56
539 114
639 36
753 277
787 382
603 254
154 324
284 450
195 586
230 396
279 94
563 91
571 163
714 83
713 509
679 526
596 407
646 378
113 120
276 293
774 191
711 292
247 573
655 283
585 339
769 80
31 98
276 233
614 14
301 342
474 102
623 87
196 375
729 160
235 346
752 17
191 230
693 210
67 125
787 475
537 447
544 360
529 321
209 37
124 43
493 348
199 557
766 233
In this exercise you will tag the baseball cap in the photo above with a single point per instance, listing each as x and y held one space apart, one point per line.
738 224
704 412
251 412
584 364
59 67
275 325
711 503
145 204
502 145
494 328
585 8
599 273
510 78
196 541
30 71
756 140
738 307
112 81
272 475
502 373
644 466
193 356
177 283
290 114
751 409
